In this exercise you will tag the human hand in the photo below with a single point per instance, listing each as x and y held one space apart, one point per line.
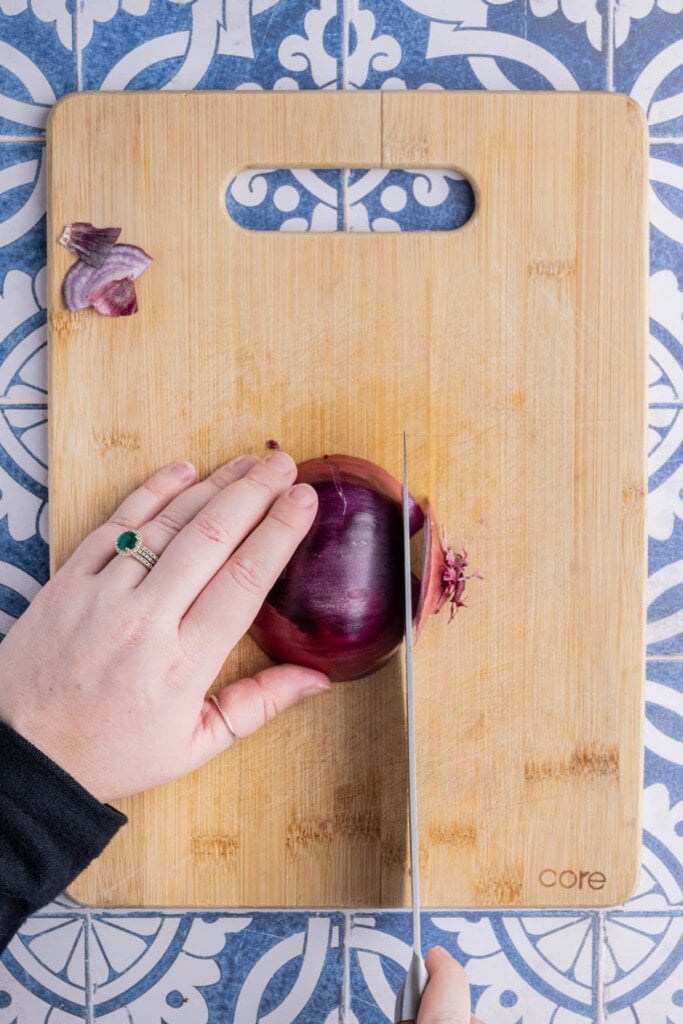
446 998
107 670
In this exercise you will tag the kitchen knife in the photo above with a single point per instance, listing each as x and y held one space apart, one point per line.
410 993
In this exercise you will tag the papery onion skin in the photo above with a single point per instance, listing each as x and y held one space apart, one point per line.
338 606
92 245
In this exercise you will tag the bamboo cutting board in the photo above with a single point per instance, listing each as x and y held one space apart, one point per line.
512 351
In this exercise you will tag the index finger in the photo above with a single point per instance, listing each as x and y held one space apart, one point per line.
227 606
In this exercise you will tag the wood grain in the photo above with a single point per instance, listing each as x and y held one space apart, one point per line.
513 353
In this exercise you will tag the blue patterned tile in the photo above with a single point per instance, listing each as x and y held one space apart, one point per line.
506 45
665 575
665 594
23 356
22 209
287 200
665 416
43 970
664 727
37 62
666 206
648 56
642 968
22 273
665 465
272 44
23 456
23 509
425 200
660 886
357 200
216 967
531 968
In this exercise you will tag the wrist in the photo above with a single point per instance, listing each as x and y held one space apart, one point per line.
54 752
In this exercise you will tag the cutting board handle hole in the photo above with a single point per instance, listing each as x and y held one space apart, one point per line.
350 199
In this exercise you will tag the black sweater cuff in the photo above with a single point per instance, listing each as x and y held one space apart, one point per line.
50 830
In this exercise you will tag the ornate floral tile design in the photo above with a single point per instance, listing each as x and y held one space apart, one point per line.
72 963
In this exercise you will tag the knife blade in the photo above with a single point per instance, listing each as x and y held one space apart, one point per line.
410 993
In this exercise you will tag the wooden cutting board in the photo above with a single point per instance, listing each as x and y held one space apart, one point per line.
512 351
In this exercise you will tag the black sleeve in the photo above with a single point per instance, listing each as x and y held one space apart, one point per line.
50 830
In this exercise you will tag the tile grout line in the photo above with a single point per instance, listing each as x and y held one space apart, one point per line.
16 139
601 1017
609 70
345 198
76 45
346 16
346 971
89 993
19 403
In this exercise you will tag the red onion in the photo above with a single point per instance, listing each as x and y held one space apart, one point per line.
81 281
338 605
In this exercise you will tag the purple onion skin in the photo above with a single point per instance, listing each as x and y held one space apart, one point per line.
338 606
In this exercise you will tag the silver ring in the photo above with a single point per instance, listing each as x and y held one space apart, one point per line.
224 715
130 543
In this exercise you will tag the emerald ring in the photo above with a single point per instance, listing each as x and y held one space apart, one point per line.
130 543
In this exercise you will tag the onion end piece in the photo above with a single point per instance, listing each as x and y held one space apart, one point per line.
443 575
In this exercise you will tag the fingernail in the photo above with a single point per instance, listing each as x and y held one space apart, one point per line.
281 462
303 495
320 686
184 470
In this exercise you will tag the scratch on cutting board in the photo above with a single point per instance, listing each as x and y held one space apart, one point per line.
590 760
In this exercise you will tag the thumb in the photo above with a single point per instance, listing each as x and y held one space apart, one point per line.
249 703
446 998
